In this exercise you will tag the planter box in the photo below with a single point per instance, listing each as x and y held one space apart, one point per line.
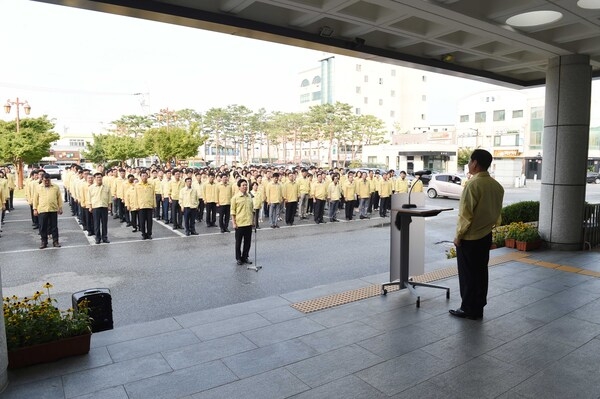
510 242
528 245
49 352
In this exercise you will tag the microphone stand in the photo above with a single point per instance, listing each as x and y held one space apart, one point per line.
409 205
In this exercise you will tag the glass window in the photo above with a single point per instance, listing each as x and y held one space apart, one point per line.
464 118
499 115
393 93
536 127
422 117
393 72
304 98
423 78
380 81
479 117
316 95
366 78
392 114
316 80
380 101
358 89
357 111
304 83
517 114
358 67
366 100
423 97
443 178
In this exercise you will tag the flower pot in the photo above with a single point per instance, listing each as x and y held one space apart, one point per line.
49 351
509 242
528 245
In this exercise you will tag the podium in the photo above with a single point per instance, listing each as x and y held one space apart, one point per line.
401 219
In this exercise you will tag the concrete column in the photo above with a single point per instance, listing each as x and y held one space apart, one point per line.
565 151
3 350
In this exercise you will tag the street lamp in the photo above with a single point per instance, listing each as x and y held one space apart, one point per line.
27 109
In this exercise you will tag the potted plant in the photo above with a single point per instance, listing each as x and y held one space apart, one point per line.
510 237
528 238
38 332
499 236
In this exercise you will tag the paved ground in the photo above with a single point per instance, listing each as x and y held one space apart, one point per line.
540 338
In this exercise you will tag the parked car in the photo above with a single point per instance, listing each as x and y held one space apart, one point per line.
593 177
53 170
445 185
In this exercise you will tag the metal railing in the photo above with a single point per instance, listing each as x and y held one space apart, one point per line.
591 226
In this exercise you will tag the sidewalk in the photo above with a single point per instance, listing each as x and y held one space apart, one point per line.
539 338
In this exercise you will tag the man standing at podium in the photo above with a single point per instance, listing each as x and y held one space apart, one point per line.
479 211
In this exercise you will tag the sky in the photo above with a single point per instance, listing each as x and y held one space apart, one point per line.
83 68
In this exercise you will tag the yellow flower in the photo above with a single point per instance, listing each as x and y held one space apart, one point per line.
48 285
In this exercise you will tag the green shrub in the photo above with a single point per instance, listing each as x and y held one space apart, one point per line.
524 211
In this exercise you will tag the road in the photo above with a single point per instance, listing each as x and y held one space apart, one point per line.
174 274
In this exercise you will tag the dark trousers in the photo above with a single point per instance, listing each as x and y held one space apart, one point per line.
134 219
48 226
200 213
319 210
242 234
100 216
211 213
145 216
34 219
83 214
472 259
189 219
165 210
290 212
349 209
120 208
176 216
10 199
158 199
266 207
90 221
310 205
224 213
255 217
384 204
373 202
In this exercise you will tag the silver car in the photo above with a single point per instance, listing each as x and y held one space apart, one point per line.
445 185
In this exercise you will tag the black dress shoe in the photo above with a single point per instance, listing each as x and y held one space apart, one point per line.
56 244
44 245
97 241
461 314
240 262
91 234
106 241
187 233
134 231
246 261
194 233
227 231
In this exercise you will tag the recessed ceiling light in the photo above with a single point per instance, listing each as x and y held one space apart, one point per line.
589 4
534 18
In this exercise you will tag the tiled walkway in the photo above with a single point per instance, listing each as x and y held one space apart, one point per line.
540 338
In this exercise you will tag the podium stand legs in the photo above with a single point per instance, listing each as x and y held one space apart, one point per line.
404 281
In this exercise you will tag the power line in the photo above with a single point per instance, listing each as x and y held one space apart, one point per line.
62 90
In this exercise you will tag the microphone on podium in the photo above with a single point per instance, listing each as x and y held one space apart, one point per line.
418 177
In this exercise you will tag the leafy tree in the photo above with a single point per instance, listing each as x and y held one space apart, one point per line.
463 156
95 151
172 144
331 121
239 129
216 120
122 148
131 125
30 145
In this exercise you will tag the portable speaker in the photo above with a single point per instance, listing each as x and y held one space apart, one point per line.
99 305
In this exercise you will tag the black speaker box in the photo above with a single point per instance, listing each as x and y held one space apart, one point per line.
99 305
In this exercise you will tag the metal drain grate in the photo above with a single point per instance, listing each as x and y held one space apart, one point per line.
342 298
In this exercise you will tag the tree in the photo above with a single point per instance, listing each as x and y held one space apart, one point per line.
30 145
239 129
122 148
172 144
463 156
131 125
215 122
96 150
331 121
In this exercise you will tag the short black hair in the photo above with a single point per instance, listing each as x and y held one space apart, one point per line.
483 158
239 183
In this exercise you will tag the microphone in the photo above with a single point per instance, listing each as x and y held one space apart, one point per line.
418 175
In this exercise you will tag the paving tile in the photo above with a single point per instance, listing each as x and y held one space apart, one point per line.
532 352
333 365
182 382
473 378
589 312
499 306
134 331
525 295
430 391
399 341
153 344
511 326
569 330
323 290
341 315
51 388
95 358
227 312
281 313
462 347
591 285
207 351
93 380
282 331
560 282
349 387
574 376
404 316
276 384
445 325
336 337
267 358
110 393
575 297
403 372
544 310
230 326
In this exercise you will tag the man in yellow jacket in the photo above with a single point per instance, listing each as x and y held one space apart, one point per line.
241 214
47 205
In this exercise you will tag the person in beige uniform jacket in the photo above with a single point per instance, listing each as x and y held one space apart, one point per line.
47 205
